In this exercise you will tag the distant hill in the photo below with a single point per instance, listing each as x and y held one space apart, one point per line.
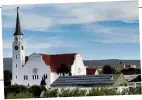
94 63
90 63
7 62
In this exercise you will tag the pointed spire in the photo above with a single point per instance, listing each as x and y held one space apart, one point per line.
18 27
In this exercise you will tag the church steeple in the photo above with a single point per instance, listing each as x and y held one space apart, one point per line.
18 27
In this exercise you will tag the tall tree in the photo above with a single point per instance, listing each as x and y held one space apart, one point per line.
64 69
107 69
7 77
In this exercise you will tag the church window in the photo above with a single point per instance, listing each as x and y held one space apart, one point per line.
22 48
16 65
16 76
16 56
16 39
33 77
37 76
25 77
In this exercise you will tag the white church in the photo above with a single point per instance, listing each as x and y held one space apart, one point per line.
33 69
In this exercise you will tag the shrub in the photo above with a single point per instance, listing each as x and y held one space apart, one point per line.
100 91
20 95
36 90
51 93
136 90
15 88
65 93
78 92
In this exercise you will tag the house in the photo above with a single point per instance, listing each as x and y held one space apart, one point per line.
92 71
135 82
38 68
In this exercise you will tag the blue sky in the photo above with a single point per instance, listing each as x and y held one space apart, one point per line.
105 30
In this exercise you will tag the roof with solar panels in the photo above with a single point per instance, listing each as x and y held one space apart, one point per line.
91 80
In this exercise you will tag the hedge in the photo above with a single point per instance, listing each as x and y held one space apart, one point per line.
20 91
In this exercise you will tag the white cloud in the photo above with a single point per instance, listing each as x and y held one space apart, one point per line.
29 21
40 42
70 14
87 12
114 34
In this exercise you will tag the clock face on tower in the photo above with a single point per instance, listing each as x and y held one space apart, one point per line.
16 47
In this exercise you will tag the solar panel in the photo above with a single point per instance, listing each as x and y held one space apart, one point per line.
84 80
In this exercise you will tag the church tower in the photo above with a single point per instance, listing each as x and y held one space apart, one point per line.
18 56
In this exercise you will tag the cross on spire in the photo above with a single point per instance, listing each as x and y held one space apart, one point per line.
18 27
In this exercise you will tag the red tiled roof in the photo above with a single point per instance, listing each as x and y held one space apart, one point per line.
55 61
91 71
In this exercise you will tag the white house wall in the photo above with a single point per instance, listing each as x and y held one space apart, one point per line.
78 64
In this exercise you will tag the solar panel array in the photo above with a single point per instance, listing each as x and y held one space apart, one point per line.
84 80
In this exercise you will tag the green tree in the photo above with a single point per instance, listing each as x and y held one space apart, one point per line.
7 77
64 69
107 69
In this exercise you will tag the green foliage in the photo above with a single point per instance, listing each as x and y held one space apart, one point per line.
64 69
107 69
131 71
65 93
16 88
51 93
20 95
36 90
72 92
7 75
20 91
136 90
99 91
78 92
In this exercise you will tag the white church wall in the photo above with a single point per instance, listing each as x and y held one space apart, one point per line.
78 67
18 58
35 61
53 76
